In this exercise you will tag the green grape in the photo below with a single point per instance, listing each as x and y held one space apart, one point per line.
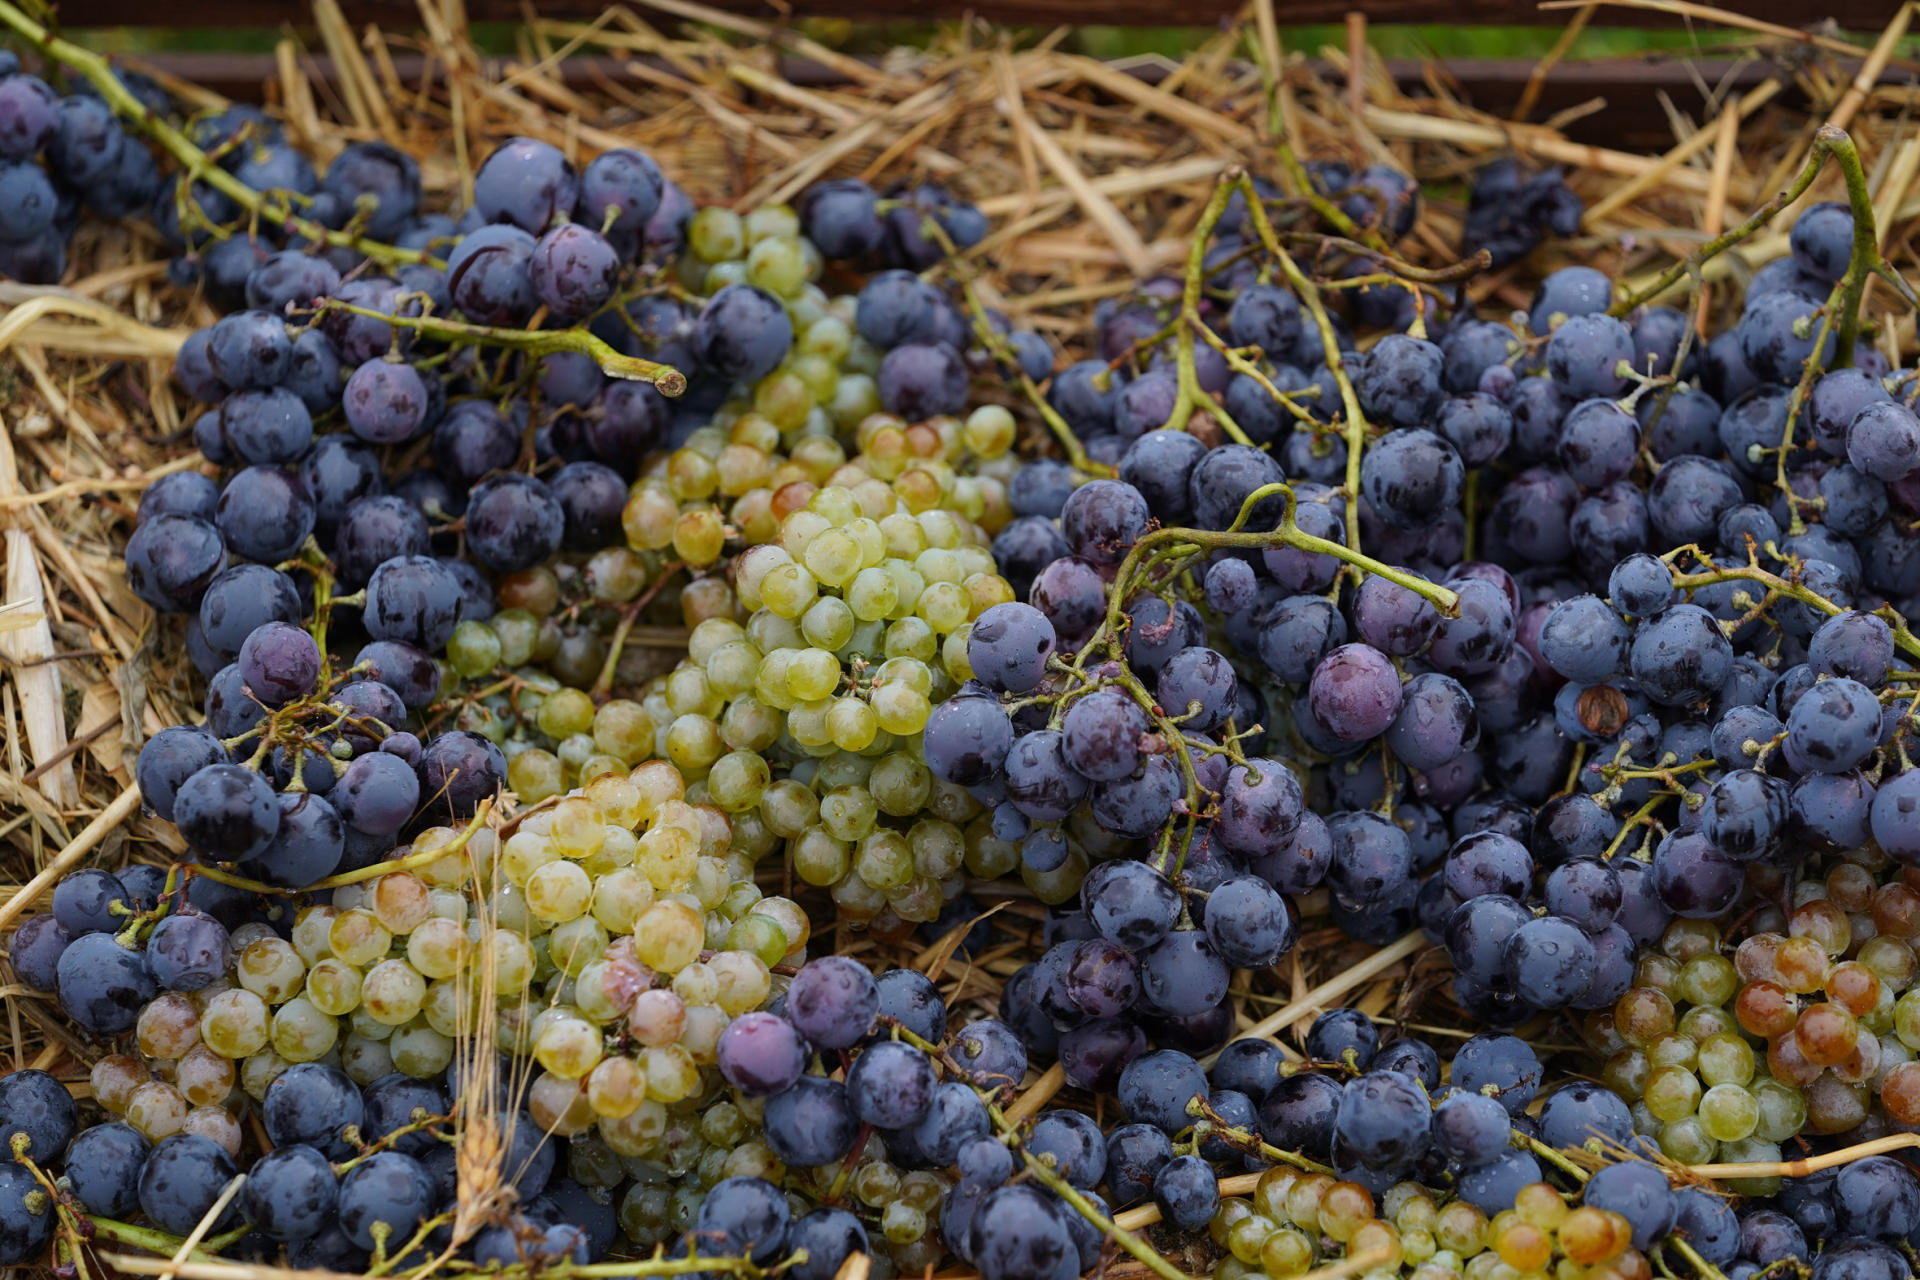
392 992
474 649
302 1032
716 233
1672 1093
1729 1113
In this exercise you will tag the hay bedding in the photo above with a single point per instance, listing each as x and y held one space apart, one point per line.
1094 176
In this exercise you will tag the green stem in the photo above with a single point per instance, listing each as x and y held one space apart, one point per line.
1189 394
1356 421
666 379
1142 1252
1903 636
199 167
159 1241
1866 259
1554 1157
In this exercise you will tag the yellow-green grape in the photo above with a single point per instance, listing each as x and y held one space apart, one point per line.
616 1088
576 944
900 785
474 649
623 729
392 992
333 987
168 1027
310 928
358 938
820 859
566 1045
420 1051
157 1110
362 1059
302 1032
517 632
400 901
693 744
716 234
234 1023
535 774
738 780
1729 1113
271 969
513 962
901 709
565 712
438 948
671 1072
668 937
789 807
788 589
203 1077
619 897
848 813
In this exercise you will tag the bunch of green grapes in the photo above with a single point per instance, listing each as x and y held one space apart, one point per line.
1811 1024
1295 1222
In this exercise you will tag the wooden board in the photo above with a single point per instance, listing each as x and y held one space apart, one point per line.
1633 118
397 15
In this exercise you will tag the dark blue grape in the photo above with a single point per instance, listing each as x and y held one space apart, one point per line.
188 951
104 1164
182 1179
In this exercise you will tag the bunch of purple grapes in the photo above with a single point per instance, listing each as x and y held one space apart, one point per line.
60 157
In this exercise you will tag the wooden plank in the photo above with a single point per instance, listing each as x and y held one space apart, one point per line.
397 15
1633 119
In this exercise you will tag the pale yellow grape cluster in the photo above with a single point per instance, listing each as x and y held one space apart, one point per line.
807 717
620 942
624 942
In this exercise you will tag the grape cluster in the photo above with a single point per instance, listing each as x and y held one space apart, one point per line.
60 157
1572 641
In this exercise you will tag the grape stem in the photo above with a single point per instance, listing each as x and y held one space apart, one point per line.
199 166
1002 351
666 379
423 858
1212 1125
1866 259
1189 395
1355 425
1044 1173
1903 636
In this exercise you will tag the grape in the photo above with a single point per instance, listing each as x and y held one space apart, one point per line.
264 513
811 1124
1102 520
280 663
1584 352
1018 1235
1354 692
761 1053
573 270
227 810
1250 924
891 1085
385 402
1472 1129
1101 735
414 599
832 1001
968 737
489 275
513 523
620 190
1008 647
385 1188
291 1193
172 559
742 333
